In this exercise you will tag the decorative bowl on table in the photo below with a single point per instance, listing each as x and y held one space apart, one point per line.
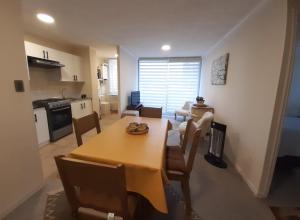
137 128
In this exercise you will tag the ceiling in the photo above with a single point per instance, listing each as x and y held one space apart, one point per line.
192 27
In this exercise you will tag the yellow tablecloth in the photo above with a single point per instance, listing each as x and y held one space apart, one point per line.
142 155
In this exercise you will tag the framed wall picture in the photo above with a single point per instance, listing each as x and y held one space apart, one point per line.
219 70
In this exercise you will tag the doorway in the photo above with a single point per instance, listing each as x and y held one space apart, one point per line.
108 84
280 152
284 189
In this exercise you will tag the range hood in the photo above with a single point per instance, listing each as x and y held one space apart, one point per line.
43 63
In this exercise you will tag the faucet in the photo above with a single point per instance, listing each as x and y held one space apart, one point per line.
62 92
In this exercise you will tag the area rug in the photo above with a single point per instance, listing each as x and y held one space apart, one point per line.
286 213
57 208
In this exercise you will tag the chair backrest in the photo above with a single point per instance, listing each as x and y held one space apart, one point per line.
99 179
187 105
186 135
151 112
85 124
169 126
193 134
205 123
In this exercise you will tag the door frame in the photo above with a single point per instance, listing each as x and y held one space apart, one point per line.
283 90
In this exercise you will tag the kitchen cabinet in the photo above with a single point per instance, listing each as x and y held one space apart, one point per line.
35 50
41 125
72 71
81 108
77 68
73 68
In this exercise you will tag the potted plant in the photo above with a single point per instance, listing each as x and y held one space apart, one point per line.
200 100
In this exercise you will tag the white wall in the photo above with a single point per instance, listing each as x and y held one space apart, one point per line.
45 83
94 80
246 103
128 64
20 166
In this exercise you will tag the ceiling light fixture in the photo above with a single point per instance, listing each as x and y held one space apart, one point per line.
166 47
45 18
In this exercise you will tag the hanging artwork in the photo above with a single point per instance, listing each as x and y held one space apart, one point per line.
219 70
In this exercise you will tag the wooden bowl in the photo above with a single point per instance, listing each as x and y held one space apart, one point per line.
137 132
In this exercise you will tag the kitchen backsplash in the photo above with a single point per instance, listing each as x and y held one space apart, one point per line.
44 83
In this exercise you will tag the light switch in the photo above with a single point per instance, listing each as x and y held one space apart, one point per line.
19 85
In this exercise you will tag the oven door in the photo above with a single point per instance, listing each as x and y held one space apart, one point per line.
60 117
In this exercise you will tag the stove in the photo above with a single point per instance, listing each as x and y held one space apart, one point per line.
59 116
50 103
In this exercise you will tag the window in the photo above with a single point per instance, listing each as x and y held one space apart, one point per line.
169 82
113 76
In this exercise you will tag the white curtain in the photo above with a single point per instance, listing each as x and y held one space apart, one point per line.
113 76
169 83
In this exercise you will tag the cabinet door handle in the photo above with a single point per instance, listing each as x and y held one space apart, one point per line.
35 118
44 56
74 77
47 54
81 106
84 104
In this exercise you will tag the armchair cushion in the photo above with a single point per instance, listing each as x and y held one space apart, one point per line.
182 112
204 123
182 127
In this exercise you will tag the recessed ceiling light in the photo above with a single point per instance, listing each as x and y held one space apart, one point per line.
116 55
45 18
166 47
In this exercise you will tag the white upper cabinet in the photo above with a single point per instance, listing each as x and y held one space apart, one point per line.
77 68
71 72
35 50
73 68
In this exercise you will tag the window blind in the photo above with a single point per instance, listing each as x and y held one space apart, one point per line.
169 83
113 76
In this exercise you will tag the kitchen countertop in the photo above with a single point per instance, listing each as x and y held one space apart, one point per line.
37 107
78 99
70 99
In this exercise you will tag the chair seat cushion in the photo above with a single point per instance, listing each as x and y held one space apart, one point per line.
182 127
130 113
182 112
174 152
176 165
102 202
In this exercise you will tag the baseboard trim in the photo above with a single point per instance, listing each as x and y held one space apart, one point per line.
16 204
246 180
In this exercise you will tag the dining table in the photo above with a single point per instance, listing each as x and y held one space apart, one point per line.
142 155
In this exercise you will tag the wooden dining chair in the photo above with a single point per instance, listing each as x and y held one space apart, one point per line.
173 151
93 190
85 124
177 168
151 112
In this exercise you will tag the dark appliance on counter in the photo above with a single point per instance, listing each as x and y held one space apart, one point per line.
44 63
59 116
